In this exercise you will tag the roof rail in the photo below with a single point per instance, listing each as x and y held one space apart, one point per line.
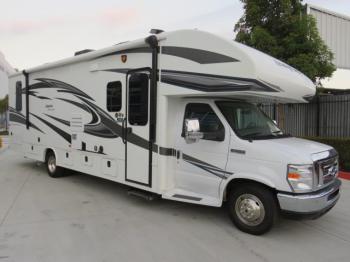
83 52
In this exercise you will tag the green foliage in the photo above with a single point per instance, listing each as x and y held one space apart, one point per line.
4 104
342 145
283 29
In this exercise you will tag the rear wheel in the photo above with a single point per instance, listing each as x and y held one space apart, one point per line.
52 169
252 208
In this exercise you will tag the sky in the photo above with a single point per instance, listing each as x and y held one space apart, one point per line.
40 31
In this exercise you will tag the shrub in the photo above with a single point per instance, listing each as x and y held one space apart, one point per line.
342 145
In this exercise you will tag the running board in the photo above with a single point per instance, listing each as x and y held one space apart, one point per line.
182 195
143 194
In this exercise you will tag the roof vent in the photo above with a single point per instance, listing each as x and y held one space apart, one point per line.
83 52
156 31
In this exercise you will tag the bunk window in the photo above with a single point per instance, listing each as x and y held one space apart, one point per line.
209 122
114 96
138 99
18 96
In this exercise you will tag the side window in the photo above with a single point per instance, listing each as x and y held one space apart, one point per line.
209 122
114 96
138 99
18 96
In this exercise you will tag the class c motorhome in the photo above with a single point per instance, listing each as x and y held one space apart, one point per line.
175 115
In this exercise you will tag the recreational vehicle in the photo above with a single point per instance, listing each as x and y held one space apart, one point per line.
174 115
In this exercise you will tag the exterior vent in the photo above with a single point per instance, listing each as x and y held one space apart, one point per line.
83 52
156 31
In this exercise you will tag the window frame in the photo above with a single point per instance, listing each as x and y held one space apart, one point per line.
109 107
222 129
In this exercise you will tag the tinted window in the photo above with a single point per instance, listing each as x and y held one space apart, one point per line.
114 96
19 96
138 99
209 122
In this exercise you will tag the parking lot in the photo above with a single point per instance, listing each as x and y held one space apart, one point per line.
83 218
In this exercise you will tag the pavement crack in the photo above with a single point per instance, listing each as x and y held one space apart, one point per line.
14 201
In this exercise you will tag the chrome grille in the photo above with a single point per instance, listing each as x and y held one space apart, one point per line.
327 170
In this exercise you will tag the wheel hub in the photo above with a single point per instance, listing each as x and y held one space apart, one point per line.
51 163
250 209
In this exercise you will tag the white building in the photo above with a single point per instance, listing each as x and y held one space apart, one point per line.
334 29
5 70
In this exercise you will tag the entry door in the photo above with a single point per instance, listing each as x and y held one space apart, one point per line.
136 126
201 166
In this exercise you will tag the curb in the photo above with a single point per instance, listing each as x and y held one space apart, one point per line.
344 175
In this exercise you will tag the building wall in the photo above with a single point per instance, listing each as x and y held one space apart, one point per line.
335 31
5 70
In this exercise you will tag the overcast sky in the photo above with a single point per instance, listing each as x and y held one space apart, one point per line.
39 31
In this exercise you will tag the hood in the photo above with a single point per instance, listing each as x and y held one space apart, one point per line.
290 150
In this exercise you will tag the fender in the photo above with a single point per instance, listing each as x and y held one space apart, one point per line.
260 178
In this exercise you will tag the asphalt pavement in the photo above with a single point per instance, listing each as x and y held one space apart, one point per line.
83 218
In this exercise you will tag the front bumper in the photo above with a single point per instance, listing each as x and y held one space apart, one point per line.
314 203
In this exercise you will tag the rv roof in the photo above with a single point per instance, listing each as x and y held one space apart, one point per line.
213 66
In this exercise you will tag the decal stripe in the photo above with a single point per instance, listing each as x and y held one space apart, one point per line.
167 151
62 121
19 118
208 170
197 55
197 161
59 131
214 83
187 197
208 82
60 86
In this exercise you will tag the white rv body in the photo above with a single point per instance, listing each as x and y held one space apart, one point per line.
64 109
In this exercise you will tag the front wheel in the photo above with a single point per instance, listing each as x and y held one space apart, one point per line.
252 208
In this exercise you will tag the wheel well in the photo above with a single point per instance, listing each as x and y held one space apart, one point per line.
241 181
48 150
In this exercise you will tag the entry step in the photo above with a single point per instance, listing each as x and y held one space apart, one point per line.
143 194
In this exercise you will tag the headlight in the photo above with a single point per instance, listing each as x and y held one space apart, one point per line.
301 177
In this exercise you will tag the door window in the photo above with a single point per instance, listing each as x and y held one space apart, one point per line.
210 124
18 96
114 96
138 99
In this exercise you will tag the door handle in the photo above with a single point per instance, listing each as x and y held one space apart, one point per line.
123 131
237 151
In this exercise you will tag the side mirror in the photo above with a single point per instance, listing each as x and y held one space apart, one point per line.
192 131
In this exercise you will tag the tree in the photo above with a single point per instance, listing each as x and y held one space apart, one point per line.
4 104
283 29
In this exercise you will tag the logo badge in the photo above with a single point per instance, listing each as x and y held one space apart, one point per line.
124 58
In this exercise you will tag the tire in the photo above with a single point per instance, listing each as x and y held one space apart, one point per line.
52 169
252 208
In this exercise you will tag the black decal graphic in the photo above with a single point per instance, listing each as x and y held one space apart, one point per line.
59 131
197 55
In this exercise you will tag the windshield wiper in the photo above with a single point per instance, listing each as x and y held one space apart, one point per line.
260 136
252 135
278 131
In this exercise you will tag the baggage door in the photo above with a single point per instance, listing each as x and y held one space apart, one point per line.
137 129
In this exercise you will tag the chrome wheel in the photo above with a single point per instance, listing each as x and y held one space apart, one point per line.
51 164
249 209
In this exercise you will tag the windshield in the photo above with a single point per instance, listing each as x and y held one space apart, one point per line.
248 121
